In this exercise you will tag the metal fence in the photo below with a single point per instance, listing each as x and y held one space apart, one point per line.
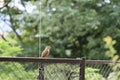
14 68
98 69
17 68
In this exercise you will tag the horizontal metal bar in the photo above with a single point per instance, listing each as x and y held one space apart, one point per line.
100 61
54 60
39 59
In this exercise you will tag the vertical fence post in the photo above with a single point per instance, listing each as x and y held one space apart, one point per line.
41 71
82 70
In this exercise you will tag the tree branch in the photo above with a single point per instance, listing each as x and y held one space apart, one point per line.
13 26
3 38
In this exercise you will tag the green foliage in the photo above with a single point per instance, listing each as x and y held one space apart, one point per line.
73 28
78 26
110 46
16 71
114 75
8 49
111 52
92 74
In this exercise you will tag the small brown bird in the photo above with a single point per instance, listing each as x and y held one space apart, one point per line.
44 54
46 51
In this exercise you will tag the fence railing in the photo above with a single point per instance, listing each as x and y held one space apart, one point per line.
48 69
34 68
100 70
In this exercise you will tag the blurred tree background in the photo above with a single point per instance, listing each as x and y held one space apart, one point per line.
73 28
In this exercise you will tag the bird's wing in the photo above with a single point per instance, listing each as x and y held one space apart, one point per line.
44 53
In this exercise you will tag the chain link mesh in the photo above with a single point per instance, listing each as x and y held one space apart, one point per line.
102 71
55 71
10 70
18 71
61 71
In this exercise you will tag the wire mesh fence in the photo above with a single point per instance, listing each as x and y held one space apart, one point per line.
61 71
55 69
100 70
18 71
41 69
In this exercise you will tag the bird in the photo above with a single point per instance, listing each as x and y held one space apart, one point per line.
46 52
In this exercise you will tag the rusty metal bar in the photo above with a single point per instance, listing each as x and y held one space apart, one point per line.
100 61
44 60
82 70
54 60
